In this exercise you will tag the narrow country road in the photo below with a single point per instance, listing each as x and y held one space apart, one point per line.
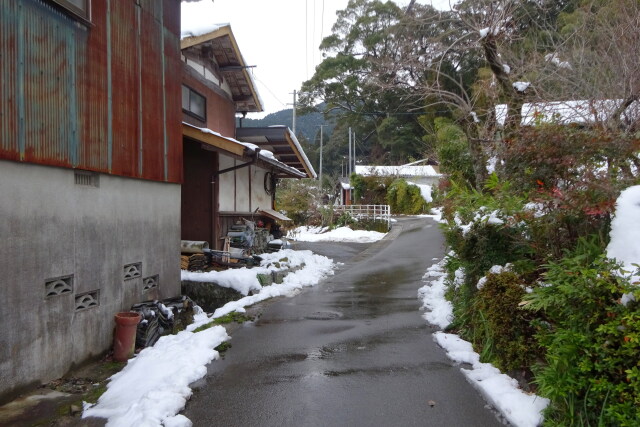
352 351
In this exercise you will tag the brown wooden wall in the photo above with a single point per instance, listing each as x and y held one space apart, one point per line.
197 211
102 97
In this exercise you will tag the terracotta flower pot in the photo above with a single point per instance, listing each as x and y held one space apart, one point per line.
124 339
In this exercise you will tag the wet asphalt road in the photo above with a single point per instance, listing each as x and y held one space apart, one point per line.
352 351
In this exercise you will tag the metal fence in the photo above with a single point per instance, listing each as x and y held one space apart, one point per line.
373 212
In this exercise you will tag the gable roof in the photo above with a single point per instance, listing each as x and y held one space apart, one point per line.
221 44
282 143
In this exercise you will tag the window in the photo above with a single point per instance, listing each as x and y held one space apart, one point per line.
193 103
81 8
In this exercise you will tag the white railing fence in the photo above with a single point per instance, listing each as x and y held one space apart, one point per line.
372 212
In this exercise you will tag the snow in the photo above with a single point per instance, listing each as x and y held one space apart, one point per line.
566 112
154 386
425 191
521 409
340 234
521 86
436 214
245 280
625 232
484 32
501 391
404 170
555 60
439 311
506 68
196 19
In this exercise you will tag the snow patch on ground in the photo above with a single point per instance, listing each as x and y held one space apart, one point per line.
340 234
245 280
154 386
439 311
519 408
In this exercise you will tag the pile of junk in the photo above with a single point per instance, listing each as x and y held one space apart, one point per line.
243 244
161 317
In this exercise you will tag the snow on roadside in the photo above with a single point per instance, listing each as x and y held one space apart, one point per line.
439 311
519 408
340 234
154 386
436 214
245 280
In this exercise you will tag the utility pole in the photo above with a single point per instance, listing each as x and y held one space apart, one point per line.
349 167
321 141
295 103
354 151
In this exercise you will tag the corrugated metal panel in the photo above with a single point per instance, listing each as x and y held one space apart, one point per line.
152 91
125 92
173 85
92 97
8 80
50 97
93 88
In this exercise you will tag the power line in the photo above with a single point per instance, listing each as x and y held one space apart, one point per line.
306 37
269 90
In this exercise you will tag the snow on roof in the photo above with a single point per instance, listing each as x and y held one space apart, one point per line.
265 155
405 170
565 112
302 153
196 19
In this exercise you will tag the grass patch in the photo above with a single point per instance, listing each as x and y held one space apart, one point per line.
224 320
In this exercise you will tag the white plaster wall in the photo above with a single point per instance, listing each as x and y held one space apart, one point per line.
51 227
259 198
227 186
242 189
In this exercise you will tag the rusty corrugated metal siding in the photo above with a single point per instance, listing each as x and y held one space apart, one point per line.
104 97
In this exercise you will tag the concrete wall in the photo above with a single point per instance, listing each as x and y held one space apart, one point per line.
51 227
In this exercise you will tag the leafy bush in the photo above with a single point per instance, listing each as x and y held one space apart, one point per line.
296 199
502 330
370 190
404 198
592 341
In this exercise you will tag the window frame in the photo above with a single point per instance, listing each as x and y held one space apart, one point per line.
188 110
72 9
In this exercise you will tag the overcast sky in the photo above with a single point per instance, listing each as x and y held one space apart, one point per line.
281 38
